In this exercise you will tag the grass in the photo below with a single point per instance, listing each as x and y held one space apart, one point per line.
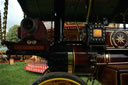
16 75
90 82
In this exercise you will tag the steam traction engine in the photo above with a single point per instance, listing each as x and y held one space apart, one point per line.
97 51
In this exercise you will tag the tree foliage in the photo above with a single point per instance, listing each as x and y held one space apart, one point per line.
12 34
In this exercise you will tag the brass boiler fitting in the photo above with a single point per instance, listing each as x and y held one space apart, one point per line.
112 58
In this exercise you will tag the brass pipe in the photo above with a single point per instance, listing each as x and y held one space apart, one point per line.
113 63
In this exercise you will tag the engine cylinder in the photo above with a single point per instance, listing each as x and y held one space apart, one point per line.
28 25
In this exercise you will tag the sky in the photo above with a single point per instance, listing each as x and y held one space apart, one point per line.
15 14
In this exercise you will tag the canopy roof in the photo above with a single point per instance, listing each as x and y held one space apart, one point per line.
74 10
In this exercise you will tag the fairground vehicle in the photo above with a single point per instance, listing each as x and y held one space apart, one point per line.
98 51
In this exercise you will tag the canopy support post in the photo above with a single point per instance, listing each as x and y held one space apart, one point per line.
59 20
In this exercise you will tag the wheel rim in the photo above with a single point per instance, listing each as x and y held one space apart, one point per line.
59 81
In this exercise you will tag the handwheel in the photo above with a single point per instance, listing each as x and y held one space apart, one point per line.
59 78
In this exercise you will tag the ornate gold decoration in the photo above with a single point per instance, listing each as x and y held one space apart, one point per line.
120 38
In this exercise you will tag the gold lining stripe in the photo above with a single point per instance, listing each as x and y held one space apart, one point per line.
70 69
74 59
110 47
58 79
70 62
104 58
109 56
111 39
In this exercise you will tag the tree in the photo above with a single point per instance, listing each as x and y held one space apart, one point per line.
12 34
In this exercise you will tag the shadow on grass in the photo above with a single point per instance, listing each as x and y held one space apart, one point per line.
33 73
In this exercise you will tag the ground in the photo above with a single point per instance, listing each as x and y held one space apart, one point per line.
16 75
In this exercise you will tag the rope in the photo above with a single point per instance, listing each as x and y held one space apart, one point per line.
89 11
5 20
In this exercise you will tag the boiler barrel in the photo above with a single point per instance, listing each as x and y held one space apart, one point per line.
83 61
110 57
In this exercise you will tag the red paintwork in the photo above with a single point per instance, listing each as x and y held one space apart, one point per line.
39 34
74 25
14 61
38 67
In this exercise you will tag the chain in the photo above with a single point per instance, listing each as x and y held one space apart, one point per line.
5 20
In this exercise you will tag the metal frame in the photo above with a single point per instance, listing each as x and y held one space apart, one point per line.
59 5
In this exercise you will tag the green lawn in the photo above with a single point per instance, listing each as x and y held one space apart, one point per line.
16 75
90 82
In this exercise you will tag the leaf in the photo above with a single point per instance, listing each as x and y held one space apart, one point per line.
12 34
